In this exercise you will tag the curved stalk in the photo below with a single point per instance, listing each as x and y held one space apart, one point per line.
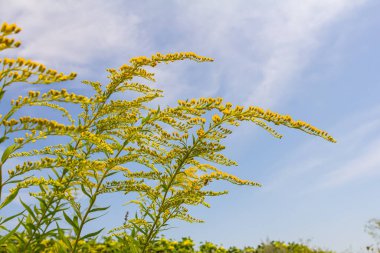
94 197
153 231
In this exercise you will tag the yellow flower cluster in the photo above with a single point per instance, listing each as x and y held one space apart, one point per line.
28 166
43 125
48 150
138 87
216 118
8 43
32 97
130 71
266 127
196 120
66 194
38 181
8 29
229 177
118 105
5 30
9 123
65 96
28 64
125 186
286 120
169 120
97 141
158 57
20 70
202 102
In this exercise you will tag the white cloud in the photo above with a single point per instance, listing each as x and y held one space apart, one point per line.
354 157
270 42
365 165
259 46
73 33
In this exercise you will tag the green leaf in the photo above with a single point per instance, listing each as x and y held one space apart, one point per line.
133 232
10 218
7 152
91 234
72 222
15 181
133 244
75 219
164 186
111 174
89 219
94 218
61 235
2 94
30 211
84 191
9 198
43 205
99 209
4 138
71 147
150 215
146 119
5 238
76 207
138 228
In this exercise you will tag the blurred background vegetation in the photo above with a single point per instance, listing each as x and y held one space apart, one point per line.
163 245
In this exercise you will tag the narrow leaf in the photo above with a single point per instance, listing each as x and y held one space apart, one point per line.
11 217
7 152
9 198
71 222
7 236
61 235
84 191
4 138
99 209
30 211
2 94
91 234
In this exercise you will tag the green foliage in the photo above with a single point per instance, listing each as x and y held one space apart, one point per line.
178 147
186 245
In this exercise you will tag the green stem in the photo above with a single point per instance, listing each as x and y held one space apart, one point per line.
50 202
92 202
94 197
52 199
39 222
1 179
153 230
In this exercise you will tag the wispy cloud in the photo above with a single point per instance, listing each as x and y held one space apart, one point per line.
367 164
270 42
290 37
259 46
73 33
354 157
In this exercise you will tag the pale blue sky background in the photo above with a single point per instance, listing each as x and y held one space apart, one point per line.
317 60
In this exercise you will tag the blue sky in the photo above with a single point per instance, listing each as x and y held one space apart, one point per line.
316 60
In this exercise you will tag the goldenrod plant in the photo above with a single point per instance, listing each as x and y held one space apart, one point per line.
178 149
